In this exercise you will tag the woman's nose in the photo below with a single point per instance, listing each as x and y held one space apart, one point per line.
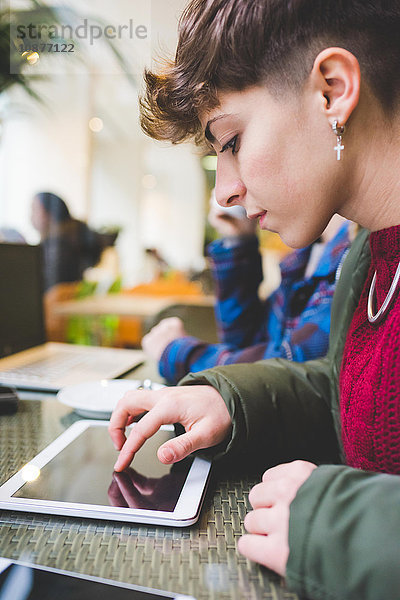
229 188
229 193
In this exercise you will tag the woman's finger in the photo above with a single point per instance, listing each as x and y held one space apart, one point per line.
263 495
131 405
268 550
141 431
261 521
180 447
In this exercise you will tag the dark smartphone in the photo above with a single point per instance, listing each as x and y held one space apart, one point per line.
28 582
8 400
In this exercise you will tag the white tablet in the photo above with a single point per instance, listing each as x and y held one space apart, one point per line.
21 581
74 476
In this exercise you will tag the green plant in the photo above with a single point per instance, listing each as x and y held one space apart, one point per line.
14 62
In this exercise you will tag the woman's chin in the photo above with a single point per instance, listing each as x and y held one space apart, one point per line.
297 239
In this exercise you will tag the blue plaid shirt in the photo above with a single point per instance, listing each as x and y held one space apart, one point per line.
293 323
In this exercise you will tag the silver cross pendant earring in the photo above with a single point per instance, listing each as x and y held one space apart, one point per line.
338 130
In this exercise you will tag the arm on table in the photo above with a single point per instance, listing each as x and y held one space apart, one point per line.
344 535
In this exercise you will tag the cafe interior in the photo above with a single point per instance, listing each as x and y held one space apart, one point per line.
71 141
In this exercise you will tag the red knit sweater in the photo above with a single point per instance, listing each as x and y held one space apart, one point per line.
370 375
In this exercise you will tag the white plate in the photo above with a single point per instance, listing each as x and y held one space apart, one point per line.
97 399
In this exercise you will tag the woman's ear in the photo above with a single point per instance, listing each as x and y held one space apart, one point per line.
336 77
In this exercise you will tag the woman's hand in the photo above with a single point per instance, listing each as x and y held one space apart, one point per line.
268 524
167 330
199 408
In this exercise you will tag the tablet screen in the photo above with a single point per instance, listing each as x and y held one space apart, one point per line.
83 473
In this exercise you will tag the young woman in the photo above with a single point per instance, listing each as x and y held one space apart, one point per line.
300 100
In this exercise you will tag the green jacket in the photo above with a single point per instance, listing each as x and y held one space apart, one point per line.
344 530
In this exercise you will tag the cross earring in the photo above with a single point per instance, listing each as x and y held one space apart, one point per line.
338 130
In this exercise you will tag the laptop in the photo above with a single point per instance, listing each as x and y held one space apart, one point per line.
27 361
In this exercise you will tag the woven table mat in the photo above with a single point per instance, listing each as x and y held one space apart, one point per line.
200 560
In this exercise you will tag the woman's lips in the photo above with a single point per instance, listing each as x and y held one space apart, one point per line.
261 216
262 220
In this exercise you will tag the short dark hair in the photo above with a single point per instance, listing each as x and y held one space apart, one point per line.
54 206
229 45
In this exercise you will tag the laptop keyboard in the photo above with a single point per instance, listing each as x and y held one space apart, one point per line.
54 367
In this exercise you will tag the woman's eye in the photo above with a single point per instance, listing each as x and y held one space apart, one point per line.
231 144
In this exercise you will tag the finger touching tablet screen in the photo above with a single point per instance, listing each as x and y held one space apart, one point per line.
74 476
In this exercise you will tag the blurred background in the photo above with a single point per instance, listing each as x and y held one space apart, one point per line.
70 77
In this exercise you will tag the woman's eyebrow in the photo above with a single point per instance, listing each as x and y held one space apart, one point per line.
207 132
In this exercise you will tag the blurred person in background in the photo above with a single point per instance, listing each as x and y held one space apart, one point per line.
292 323
69 245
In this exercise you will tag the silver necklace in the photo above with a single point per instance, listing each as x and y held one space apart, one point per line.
376 318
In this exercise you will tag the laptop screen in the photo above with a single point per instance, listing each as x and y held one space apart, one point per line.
21 299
